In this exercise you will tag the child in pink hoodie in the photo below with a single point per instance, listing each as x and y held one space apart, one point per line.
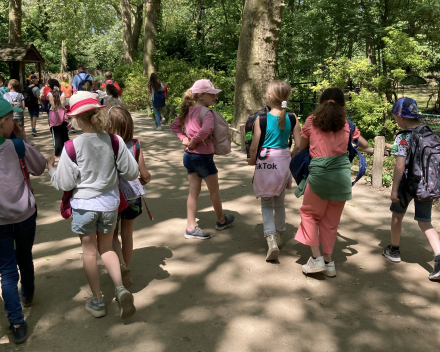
199 154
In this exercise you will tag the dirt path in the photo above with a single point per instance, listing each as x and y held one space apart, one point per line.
220 294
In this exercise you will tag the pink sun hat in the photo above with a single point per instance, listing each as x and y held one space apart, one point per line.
204 86
83 101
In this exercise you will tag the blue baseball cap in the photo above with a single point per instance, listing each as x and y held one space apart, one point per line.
6 108
407 107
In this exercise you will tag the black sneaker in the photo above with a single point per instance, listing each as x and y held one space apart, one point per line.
229 219
34 132
435 275
197 233
392 254
26 301
20 333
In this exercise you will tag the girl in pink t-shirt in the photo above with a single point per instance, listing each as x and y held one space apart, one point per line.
326 132
198 159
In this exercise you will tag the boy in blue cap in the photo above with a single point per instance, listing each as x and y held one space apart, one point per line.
17 219
407 116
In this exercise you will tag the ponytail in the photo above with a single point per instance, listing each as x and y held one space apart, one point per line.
56 96
280 93
187 102
331 114
282 119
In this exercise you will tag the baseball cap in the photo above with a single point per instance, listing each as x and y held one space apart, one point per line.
31 77
204 86
407 107
83 101
6 108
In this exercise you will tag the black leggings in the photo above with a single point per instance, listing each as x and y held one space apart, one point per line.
60 135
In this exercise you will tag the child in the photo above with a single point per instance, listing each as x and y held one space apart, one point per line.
33 92
94 180
97 90
17 221
66 88
327 133
155 85
199 155
112 98
45 91
406 114
3 89
122 124
270 184
16 100
109 80
58 119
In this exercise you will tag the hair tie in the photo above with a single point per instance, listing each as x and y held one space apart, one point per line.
114 106
55 88
331 101
283 104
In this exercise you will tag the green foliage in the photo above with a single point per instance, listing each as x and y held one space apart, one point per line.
388 169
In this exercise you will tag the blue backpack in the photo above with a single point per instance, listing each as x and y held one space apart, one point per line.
299 165
159 99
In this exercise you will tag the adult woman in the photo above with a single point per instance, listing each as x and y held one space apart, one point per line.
154 85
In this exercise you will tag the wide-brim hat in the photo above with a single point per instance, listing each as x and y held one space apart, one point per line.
6 108
204 86
83 101
407 107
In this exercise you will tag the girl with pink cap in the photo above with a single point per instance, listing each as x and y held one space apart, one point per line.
195 134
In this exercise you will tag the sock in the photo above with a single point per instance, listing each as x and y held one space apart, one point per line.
395 247
326 262
314 257
437 257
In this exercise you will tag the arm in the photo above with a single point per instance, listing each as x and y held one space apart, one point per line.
145 174
64 176
126 164
63 101
253 150
22 104
399 169
75 83
305 142
35 161
296 138
363 142
51 101
205 130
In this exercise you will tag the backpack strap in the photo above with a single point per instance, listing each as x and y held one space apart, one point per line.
263 127
137 149
203 113
70 150
292 119
8 96
115 144
20 149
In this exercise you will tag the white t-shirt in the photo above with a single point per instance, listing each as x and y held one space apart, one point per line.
105 202
13 96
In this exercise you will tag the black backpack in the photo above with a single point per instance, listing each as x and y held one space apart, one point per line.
30 100
84 80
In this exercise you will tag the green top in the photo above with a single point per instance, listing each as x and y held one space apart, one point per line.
2 140
276 138
329 177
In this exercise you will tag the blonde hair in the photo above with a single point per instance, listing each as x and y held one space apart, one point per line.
279 92
65 77
187 101
97 117
121 123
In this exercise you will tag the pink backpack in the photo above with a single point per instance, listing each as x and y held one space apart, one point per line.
65 209
57 117
221 135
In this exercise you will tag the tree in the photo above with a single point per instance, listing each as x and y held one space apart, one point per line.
257 54
127 36
152 11
15 16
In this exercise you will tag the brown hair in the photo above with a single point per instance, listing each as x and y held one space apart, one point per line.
112 91
96 85
154 82
56 94
280 91
97 117
15 84
121 123
81 68
2 79
108 75
187 101
330 114
65 77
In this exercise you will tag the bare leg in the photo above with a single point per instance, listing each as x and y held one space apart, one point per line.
214 194
316 252
396 228
117 246
33 122
109 257
127 240
327 257
89 247
432 235
195 185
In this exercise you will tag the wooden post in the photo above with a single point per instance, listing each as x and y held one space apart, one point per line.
379 148
243 138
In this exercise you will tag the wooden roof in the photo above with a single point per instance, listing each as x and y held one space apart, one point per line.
20 52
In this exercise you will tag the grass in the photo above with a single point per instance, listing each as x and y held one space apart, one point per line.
420 94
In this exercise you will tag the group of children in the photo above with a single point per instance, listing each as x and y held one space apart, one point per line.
102 172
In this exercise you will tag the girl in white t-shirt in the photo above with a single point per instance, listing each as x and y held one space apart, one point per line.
58 120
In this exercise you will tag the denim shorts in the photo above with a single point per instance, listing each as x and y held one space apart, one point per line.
202 164
86 222
422 208
34 112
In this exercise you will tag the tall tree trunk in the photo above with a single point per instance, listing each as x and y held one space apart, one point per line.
137 25
257 53
126 31
152 10
63 57
371 51
15 16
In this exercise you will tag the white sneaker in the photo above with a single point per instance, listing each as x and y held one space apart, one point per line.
314 266
279 237
330 269
163 119
158 128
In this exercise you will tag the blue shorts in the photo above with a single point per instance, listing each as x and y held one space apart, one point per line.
202 164
86 222
422 208
34 112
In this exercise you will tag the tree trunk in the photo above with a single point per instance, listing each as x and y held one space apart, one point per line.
126 31
15 16
152 10
371 51
137 25
63 57
257 53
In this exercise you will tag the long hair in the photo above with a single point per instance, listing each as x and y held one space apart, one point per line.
330 114
280 91
97 117
55 87
154 83
187 101
121 123
112 91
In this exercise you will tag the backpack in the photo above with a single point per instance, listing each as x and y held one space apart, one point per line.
221 135
422 180
165 91
16 103
83 80
65 209
159 99
299 165
56 118
105 83
20 149
30 100
249 129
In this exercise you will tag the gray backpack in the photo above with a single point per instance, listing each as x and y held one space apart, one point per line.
423 178
16 103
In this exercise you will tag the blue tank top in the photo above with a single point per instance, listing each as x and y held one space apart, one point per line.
276 138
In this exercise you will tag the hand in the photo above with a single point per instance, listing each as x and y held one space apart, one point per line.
191 145
294 151
394 196
143 182
251 163
50 161
185 141
19 132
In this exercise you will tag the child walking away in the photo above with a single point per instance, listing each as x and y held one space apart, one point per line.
16 100
92 174
66 88
17 218
109 80
97 90
272 174
195 132
112 98
32 99
3 88
328 185
58 119
43 95
416 177
156 90
121 124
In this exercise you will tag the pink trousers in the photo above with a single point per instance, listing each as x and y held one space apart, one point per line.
319 221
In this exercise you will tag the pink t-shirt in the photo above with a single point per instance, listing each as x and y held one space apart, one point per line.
195 131
330 143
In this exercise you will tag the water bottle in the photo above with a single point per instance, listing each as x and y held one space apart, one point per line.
248 143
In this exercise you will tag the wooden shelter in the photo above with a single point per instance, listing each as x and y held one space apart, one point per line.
17 56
